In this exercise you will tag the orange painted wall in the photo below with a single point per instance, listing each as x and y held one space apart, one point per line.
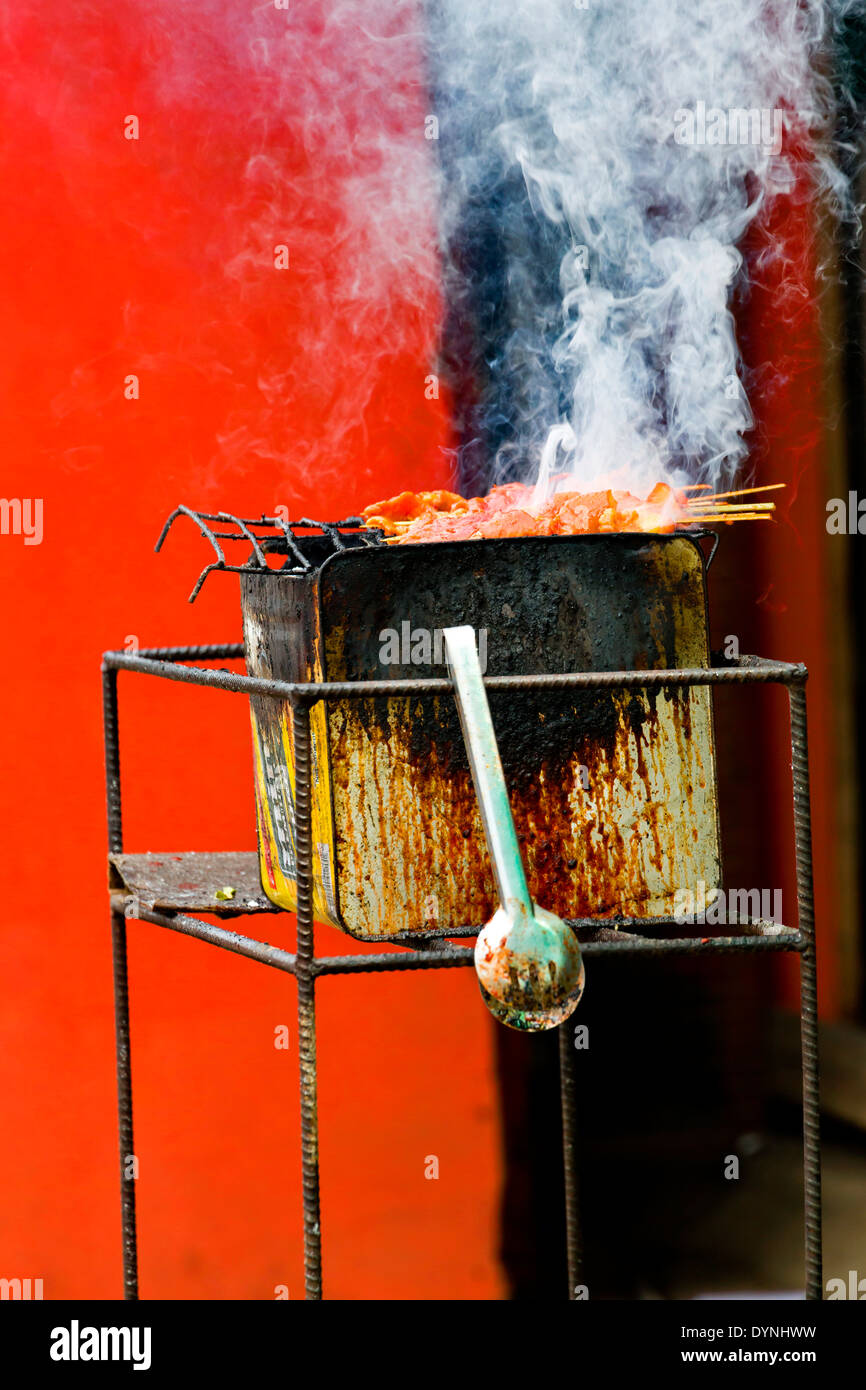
258 387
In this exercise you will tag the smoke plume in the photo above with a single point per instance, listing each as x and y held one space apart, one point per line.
601 162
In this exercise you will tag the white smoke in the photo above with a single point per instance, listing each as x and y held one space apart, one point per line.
648 134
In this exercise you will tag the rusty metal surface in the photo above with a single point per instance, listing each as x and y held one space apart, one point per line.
190 882
410 851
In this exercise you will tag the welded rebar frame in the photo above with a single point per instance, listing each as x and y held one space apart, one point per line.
635 936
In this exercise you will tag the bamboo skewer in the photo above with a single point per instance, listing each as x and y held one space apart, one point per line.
717 507
723 516
737 492
735 507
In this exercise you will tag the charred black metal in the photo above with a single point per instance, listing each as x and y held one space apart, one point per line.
272 535
485 584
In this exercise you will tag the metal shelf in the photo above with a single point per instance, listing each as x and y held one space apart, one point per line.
169 889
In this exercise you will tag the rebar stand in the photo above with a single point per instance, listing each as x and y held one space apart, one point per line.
169 890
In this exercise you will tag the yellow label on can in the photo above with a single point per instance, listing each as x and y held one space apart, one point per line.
275 808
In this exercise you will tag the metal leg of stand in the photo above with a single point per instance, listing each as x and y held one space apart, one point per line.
307 1006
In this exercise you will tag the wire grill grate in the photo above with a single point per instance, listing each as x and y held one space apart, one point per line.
272 537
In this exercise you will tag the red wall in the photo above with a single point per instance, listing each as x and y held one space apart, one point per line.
258 387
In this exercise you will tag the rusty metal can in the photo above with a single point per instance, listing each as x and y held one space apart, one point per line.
613 792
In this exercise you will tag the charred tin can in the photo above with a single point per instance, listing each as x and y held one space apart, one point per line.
613 792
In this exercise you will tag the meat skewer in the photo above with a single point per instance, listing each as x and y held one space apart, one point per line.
509 510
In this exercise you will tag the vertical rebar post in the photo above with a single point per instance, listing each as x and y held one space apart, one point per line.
121 995
112 760
306 984
570 1157
808 993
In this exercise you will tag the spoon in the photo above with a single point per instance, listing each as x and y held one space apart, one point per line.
527 960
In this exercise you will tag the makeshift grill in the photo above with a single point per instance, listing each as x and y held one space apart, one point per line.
287 658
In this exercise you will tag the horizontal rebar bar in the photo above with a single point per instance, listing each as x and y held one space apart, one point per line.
629 945
240 945
219 651
743 673
444 956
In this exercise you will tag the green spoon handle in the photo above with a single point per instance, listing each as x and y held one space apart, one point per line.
487 774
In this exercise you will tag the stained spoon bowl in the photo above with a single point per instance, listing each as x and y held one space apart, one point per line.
530 972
